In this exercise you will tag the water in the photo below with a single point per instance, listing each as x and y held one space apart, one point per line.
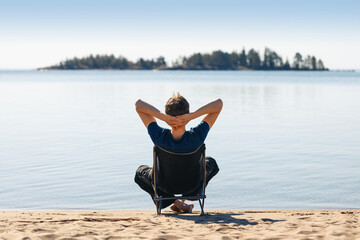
72 139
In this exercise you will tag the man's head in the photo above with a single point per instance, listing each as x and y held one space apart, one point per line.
176 106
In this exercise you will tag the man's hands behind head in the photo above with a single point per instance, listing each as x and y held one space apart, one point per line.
182 120
178 121
170 120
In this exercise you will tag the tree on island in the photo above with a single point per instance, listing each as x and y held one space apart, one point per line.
217 60
242 59
297 63
253 60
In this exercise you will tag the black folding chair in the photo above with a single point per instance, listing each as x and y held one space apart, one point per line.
179 173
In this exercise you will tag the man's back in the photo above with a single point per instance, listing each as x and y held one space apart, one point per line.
189 141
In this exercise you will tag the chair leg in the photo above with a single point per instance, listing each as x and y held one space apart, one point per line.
158 207
202 207
157 203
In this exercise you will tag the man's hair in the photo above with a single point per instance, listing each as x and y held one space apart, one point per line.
176 105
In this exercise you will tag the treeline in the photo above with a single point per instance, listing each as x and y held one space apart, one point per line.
217 60
108 62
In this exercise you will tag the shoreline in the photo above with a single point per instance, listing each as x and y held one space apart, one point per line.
145 224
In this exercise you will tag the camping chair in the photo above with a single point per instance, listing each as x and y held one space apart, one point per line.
179 173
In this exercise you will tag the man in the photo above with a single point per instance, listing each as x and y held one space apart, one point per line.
177 140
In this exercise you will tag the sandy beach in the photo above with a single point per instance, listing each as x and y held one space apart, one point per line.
138 224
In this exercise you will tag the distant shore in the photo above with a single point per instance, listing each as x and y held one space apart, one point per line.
217 60
145 224
177 69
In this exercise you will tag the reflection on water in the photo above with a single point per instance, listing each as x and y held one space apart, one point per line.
72 140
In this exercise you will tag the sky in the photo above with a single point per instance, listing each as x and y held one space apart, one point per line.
39 33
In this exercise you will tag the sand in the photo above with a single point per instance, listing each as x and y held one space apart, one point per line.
124 224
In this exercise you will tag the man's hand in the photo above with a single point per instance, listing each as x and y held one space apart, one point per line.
171 121
178 121
182 120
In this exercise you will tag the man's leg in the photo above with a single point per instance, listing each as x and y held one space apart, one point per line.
143 177
211 168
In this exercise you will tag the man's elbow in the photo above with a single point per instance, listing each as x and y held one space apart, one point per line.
138 104
219 104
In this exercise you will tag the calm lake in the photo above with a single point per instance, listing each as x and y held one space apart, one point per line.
72 139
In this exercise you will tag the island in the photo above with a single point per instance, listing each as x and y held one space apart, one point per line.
217 60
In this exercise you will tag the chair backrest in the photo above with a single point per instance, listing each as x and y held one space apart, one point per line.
179 173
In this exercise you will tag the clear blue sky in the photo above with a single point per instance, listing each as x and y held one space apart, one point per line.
40 33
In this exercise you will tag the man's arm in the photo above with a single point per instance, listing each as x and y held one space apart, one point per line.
148 113
210 110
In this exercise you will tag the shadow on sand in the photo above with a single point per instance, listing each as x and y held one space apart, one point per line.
220 218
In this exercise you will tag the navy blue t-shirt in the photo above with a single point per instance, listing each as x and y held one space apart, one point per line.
189 142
